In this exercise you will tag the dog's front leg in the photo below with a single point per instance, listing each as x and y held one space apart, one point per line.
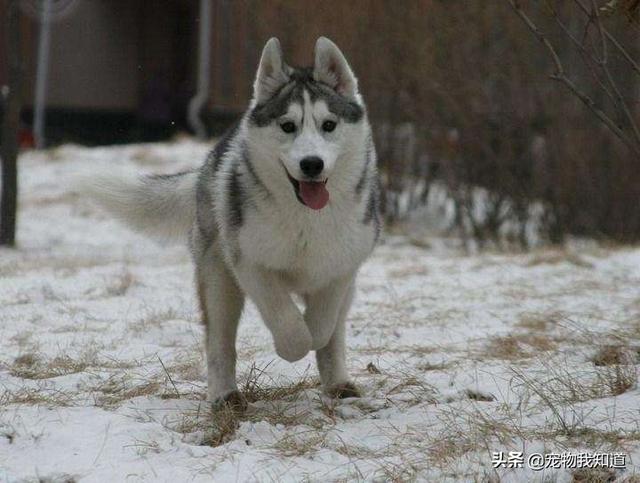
332 357
267 290
221 303
323 308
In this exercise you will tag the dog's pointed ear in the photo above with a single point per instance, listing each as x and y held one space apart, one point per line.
272 72
332 68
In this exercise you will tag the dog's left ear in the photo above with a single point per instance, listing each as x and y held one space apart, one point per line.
332 68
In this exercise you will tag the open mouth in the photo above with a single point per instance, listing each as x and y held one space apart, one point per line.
312 194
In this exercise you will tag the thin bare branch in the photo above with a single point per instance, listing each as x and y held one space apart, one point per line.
604 55
560 76
620 101
619 47
588 58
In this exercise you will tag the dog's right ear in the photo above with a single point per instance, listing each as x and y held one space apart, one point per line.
272 72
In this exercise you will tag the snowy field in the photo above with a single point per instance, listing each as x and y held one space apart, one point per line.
102 375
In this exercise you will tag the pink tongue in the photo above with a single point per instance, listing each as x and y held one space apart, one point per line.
314 195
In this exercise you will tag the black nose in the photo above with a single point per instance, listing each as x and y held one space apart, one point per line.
312 166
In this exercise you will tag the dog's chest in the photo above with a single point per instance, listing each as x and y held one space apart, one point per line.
310 248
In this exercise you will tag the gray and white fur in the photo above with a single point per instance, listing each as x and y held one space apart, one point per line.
258 220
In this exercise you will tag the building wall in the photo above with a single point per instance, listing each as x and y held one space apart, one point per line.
104 52
27 36
94 57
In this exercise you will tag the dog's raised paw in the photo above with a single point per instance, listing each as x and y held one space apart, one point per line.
295 345
233 401
343 390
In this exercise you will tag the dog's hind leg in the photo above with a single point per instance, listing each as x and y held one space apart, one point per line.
332 358
221 303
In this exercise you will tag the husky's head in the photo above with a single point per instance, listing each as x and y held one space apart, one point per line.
306 128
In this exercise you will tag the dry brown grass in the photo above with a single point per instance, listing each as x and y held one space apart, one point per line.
408 271
559 390
372 368
593 475
218 426
288 404
32 366
153 319
222 426
630 479
619 379
539 322
29 359
479 396
410 386
389 470
63 265
119 285
514 347
429 366
586 436
417 350
504 347
468 429
38 396
477 429
258 386
189 367
122 387
284 404
59 478
613 354
388 467
533 322
538 342
571 387
557 257
281 402
450 445
301 443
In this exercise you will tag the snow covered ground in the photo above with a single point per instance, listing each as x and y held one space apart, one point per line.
102 374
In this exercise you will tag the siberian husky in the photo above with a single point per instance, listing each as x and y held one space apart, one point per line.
286 203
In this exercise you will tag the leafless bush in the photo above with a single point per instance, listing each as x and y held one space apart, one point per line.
461 99
520 158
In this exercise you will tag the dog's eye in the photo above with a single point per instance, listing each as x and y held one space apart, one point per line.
328 126
288 127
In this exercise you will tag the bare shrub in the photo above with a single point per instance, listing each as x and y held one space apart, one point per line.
467 120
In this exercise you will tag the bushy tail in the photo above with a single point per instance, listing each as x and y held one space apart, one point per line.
162 206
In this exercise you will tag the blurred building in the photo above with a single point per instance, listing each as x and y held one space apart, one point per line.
125 70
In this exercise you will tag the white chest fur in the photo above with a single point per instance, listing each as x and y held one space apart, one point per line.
310 248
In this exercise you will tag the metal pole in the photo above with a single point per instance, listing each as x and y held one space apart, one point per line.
204 70
10 124
41 75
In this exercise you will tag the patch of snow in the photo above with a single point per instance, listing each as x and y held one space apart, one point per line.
102 373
